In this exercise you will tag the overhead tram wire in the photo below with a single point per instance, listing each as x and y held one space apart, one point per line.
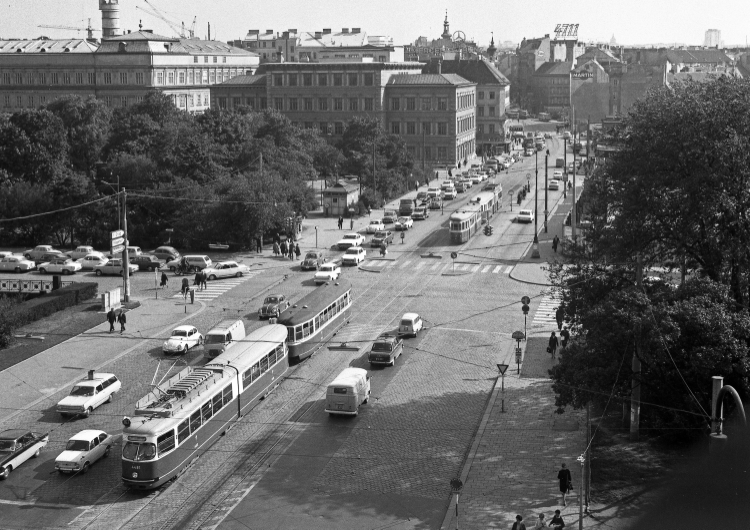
52 212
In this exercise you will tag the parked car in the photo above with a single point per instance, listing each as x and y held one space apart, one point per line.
313 260
450 193
114 267
17 446
436 203
38 251
92 261
375 225
420 213
467 183
476 179
404 223
328 272
134 251
525 216
48 256
166 253
411 324
82 450
381 236
15 263
460 187
82 251
273 306
390 216
6 253
60 265
557 174
422 195
553 185
182 339
529 152
385 350
226 269
87 395
197 261
351 240
146 262
354 256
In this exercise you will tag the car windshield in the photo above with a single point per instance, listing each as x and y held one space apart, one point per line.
179 333
311 255
379 235
270 300
77 445
353 250
326 268
350 236
214 338
402 219
382 346
82 391
138 451
7 445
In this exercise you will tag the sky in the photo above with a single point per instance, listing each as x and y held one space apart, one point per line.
631 22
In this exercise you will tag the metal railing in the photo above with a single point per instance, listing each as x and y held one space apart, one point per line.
25 285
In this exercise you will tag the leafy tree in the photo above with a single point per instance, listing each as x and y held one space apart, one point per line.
33 145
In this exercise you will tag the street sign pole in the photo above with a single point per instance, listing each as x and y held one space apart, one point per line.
454 255
503 368
456 486
525 301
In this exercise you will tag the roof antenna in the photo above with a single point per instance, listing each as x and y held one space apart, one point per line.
140 25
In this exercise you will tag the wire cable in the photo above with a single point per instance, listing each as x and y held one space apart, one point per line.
32 216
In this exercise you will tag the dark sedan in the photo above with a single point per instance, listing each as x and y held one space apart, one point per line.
146 262
380 236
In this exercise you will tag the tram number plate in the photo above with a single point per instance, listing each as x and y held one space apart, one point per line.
339 406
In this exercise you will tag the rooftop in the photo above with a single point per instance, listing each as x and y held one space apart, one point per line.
554 68
246 80
48 46
147 42
428 79
476 71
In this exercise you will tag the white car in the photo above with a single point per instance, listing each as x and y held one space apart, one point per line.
375 225
114 267
5 253
351 240
61 265
450 193
17 446
182 339
553 185
557 175
92 261
404 223
83 251
82 450
328 272
354 256
88 394
226 269
525 216
16 264
37 252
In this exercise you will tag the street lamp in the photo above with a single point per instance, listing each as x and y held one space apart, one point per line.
546 172
535 252
117 191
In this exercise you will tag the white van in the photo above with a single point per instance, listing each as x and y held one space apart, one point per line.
200 262
347 392
411 324
222 336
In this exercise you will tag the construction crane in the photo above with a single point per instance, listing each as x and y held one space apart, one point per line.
89 29
178 29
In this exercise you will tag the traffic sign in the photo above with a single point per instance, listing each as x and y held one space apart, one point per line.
119 241
454 255
117 233
456 484
518 357
525 300
502 368
525 309
118 249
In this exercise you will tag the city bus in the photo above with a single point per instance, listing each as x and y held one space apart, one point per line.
315 318
180 419
464 223
516 131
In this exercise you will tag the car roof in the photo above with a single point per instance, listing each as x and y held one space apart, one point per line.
87 434
277 295
12 434
386 337
99 376
410 316
186 327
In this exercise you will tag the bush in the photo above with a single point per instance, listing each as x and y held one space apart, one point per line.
82 290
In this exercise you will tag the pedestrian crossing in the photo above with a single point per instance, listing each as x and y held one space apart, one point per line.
545 313
216 288
438 267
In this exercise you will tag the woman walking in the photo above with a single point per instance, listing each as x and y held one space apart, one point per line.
566 482
276 249
553 343
297 250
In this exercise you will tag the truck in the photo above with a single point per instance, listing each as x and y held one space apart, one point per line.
406 207
560 162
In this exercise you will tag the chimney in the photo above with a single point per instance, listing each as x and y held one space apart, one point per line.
269 32
318 34
293 31
253 32
439 67
344 30
285 35
326 31
356 30
91 375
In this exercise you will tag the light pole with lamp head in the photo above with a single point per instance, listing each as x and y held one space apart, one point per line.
535 251
546 172
117 191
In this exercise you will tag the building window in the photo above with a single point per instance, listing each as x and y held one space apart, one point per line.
338 79
108 101
6 81
159 78
292 79
428 153
442 103
368 104
123 101
492 111
7 101
308 104
205 58
426 128
278 103
19 79
222 103
107 78
79 78
480 95
352 79
19 101
442 153
123 78
216 59
480 128
369 79
492 95
442 128
480 112
411 103
353 104
236 102
195 59
182 78
30 100
204 77
199 100
293 104
338 128
411 128
322 103
324 128
308 125
395 128
395 104
212 77
223 59
92 78
278 80
426 104
338 104
263 103
492 128
307 79
322 80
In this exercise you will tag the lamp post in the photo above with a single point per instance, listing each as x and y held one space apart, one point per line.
546 171
111 185
535 251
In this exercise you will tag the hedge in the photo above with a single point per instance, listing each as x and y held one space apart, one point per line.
15 315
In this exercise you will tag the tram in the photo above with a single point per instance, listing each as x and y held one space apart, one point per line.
465 222
181 418
315 318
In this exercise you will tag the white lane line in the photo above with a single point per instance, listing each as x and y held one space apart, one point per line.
420 265
486 268
508 269
435 267
496 269
475 268
405 264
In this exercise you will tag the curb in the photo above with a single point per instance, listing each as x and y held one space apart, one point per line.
527 281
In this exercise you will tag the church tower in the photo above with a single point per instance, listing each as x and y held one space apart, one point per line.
491 50
446 27
110 18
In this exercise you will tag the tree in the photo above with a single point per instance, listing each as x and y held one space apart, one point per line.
33 145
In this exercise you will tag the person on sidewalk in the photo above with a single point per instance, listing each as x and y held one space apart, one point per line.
539 524
122 320
416 186
555 242
557 521
566 484
284 249
276 249
185 287
351 223
518 525
291 251
559 316
564 337
164 279
197 279
258 246
111 319
553 343
204 279
297 251
341 222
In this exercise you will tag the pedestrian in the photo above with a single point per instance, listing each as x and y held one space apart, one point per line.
564 337
518 525
351 223
291 251
559 315
277 238
297 250
197 279
553 342
164 279
204 279
284 249
276 249
341 222
539 522
519 198
416 185
557 521
258 245
566 484
122 320
555 242
111 319
185 287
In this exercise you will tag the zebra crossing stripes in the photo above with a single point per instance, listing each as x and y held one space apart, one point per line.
216 288
545 313
439 266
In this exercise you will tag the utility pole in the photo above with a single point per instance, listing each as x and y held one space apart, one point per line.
535 251
374 180
573 214
546 172
125 260
635 384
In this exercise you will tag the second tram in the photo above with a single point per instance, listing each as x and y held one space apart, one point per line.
465 222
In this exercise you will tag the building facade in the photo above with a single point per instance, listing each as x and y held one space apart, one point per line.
590 91
550 87
532 54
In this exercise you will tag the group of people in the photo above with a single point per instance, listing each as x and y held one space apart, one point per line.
200 280
554 341
556 522
351 222
284 249
120 318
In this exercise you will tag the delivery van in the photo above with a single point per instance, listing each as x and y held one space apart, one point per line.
223 336
406 207
347 392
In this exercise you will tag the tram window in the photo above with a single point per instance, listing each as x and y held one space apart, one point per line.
195 421
298 332
256 371
227 393
217 404
306 329
263 365
279 352
317 322
206 411
183 431
247 377
165 442
272 358
290 334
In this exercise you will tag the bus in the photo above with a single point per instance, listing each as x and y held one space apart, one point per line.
464 223
316 318
515 130
544 116
181 418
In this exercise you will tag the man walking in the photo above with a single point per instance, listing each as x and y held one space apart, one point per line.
204 279
566 484
111 319
564 336
555 242
552 345
122 320
351 223
559 315
197 280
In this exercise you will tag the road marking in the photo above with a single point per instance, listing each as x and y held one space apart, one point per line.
475 268
378 263
508 269
404 264
435 267
45 504
216 288
496 269
545 313
420 265
486 268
